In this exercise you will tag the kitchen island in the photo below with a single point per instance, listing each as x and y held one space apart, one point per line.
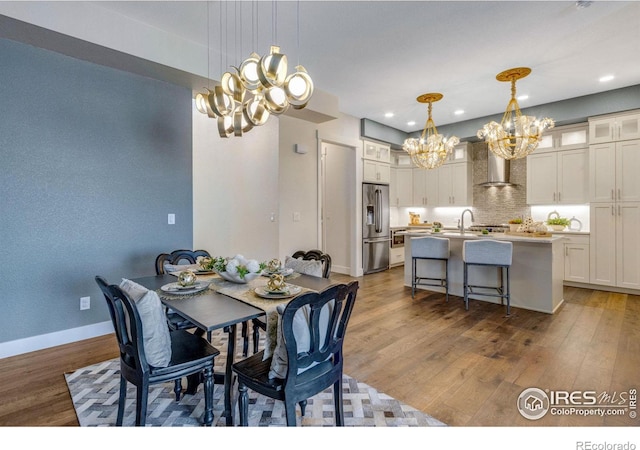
536 271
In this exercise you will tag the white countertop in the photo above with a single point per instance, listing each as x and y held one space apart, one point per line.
474 235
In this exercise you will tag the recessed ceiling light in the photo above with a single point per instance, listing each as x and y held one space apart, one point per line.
411 123
459 112
389 114
523 97
606 78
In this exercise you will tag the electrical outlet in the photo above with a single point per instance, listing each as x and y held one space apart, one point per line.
171 219
85 303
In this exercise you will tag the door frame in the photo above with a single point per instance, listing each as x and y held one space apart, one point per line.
355 218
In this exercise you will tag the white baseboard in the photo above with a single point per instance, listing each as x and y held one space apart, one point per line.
33 343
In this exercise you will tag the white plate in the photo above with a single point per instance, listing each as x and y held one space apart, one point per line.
264 293
175 288
286 272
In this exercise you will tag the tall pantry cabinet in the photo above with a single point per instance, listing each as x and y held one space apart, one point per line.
614 193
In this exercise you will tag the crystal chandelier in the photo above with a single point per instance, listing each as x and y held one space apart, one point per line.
432 149
516 135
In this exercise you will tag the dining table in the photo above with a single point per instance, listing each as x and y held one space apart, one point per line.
223 305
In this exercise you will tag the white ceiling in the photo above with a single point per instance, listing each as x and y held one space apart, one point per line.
378 56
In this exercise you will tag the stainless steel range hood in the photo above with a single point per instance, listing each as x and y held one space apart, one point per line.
498 170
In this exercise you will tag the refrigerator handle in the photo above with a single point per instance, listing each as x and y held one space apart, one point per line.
378 211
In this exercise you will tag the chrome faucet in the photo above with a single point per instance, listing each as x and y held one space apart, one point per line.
462 219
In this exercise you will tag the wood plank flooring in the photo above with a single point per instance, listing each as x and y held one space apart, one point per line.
466 368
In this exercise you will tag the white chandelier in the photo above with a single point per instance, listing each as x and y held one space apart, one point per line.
432 149
516 135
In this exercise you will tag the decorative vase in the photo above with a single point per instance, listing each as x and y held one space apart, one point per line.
235 278
513 227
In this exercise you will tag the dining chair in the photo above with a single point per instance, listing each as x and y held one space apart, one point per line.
310 255
189 354
176 321
308 357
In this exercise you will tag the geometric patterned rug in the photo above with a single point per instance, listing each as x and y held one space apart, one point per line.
94 390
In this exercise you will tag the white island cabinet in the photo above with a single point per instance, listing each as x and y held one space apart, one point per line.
536 272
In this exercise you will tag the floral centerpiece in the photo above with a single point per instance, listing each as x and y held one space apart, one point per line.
237 269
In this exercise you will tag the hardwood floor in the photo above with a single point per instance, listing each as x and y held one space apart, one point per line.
466 368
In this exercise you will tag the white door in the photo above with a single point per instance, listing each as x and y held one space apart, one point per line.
338 167
628 245
602 245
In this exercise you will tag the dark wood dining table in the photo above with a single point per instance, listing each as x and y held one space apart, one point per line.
210 310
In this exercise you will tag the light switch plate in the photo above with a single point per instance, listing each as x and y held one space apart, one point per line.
171 219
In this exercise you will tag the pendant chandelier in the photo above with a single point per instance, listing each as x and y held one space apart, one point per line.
432 149
516 135
248 95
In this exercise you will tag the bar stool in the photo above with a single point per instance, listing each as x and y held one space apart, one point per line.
429 248
487 252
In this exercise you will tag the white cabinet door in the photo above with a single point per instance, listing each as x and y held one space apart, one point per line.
576 262
393 187
376 152
376 172
404 183
602 172
425 187
572 177
444 185
628 245
461 193
542 175
628 171
602 245
628 127
614 128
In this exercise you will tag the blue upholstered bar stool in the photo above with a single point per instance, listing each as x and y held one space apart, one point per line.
487 252
430 248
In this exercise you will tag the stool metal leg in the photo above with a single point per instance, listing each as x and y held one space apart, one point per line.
446 278
508 294
413 277
466 293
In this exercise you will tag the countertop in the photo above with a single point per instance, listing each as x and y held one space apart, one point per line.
474 235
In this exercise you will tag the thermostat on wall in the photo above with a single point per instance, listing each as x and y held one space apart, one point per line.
299 148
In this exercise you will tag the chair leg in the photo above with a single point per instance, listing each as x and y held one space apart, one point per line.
303 406
446 278
177 388
256 338
413 277
142 394
243 404
338 403
245 338
208 396
466 282
121 401
290 412
508 294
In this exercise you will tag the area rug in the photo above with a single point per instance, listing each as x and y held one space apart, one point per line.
94 390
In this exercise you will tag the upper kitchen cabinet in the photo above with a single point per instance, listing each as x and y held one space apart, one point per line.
614 127
558 177
613 171
425 187
460 153
376 158
400 187
376 151
564 138
374 172
455 185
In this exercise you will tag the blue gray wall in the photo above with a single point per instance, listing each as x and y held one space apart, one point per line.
92 161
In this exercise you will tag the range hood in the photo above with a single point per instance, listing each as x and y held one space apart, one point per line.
498 170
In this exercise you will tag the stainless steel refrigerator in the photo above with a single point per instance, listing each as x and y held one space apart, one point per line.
376 237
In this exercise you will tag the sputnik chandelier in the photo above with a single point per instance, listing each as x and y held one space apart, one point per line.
432 149
248 95
516 135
